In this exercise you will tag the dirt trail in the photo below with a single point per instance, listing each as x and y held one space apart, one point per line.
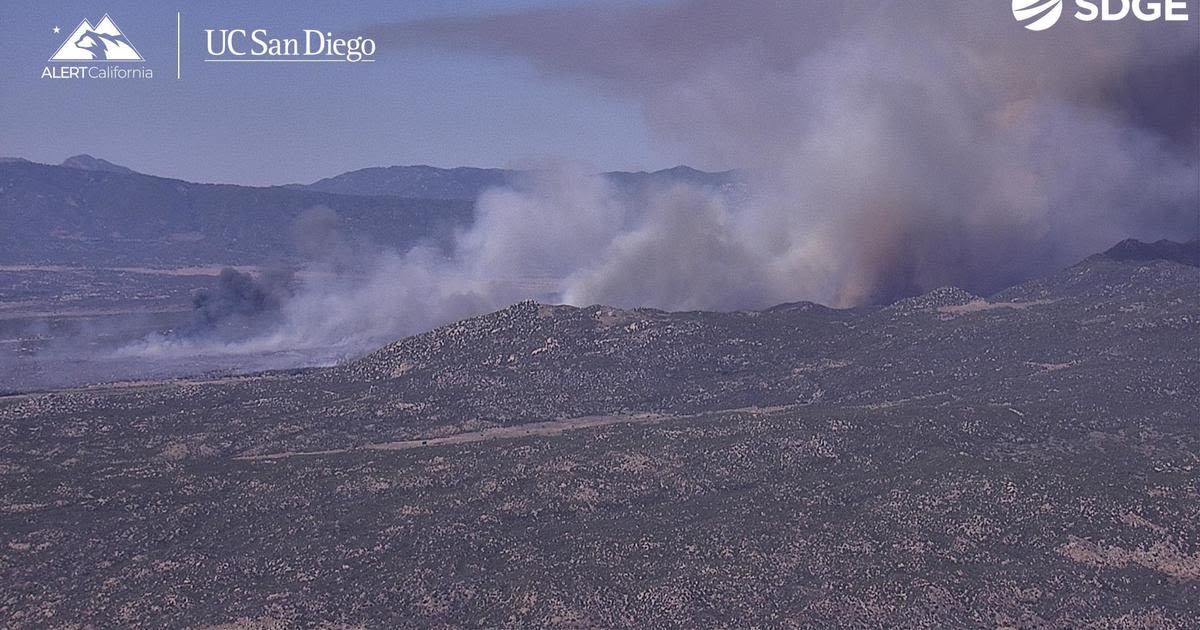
548 428
975 306
553 427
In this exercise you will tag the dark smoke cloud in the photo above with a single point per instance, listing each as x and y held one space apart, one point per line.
240 298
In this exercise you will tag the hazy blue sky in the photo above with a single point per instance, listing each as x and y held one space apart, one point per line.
279 123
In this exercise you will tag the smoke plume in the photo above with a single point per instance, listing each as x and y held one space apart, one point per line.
890 147
886 148
238 297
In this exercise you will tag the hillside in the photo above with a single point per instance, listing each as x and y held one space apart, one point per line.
924 463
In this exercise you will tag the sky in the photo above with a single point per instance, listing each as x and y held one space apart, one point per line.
265 124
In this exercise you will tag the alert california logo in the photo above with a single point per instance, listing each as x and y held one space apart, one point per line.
96 51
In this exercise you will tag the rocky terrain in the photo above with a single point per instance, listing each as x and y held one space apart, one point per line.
1027 459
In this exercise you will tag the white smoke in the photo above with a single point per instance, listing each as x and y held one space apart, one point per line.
891 147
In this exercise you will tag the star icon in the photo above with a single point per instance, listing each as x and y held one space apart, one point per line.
56 30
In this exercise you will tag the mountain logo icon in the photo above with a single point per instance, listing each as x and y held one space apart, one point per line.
102 42
1037 15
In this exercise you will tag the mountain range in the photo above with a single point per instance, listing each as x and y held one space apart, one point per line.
89 211
100 216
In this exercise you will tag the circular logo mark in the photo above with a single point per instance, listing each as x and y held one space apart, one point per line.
1037 15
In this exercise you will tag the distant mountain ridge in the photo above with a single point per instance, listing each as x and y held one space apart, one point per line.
466 183
426 182
98 213
90 211
1134 250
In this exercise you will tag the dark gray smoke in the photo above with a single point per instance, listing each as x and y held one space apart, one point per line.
239 298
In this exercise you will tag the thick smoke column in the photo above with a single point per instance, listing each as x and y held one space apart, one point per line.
240 297
891 147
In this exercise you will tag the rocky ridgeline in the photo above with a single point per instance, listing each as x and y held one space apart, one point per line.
1101 279
532 362
565 361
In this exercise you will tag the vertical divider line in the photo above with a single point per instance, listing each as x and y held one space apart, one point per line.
177 46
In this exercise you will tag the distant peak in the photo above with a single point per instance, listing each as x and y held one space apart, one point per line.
683 169
85 162
675 171
1135 250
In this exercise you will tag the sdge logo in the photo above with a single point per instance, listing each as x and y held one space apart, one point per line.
1039 15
